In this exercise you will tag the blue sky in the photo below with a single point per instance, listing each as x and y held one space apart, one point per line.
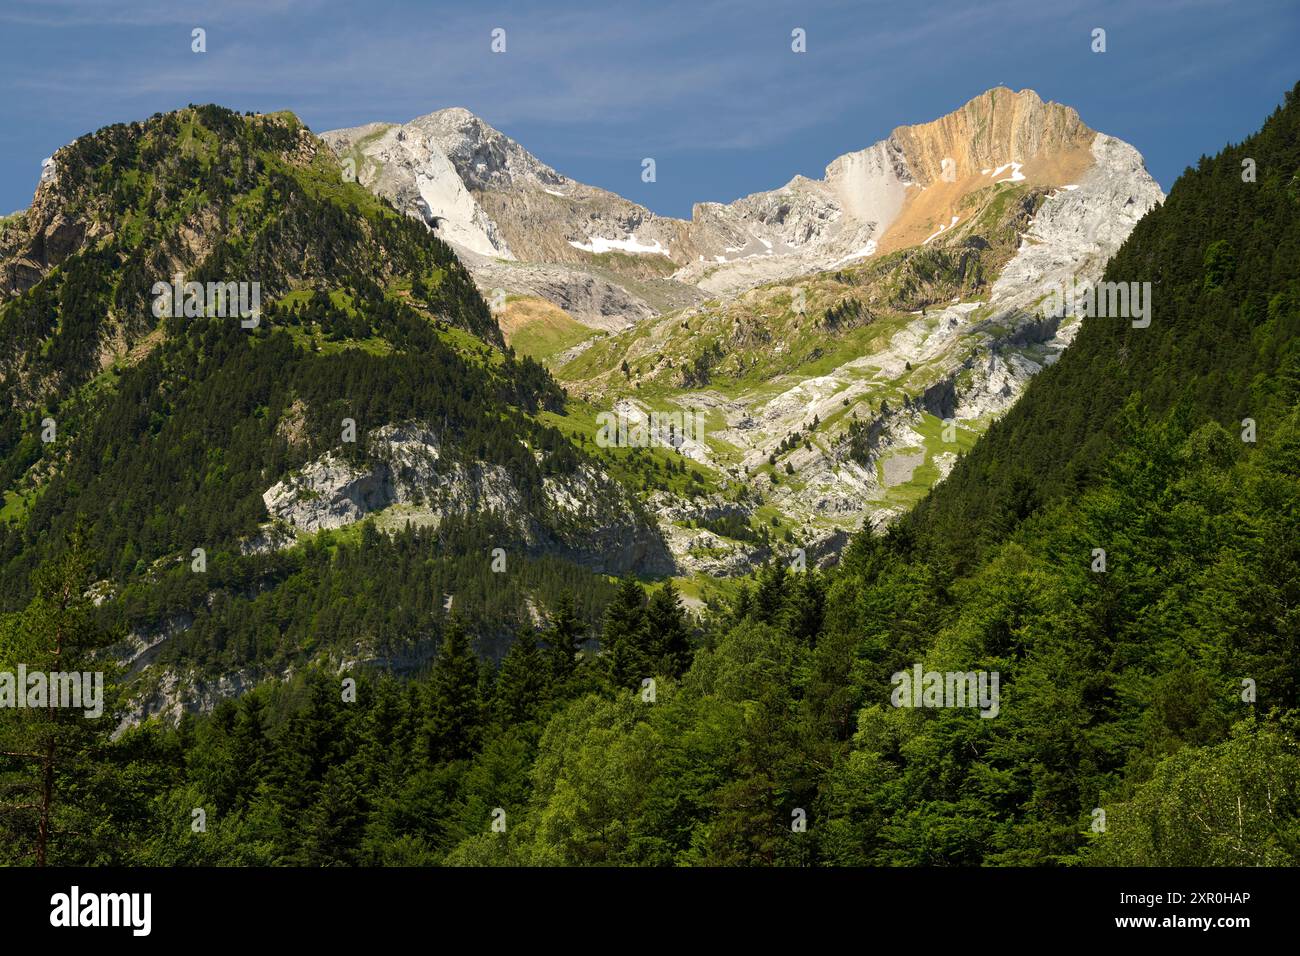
711 90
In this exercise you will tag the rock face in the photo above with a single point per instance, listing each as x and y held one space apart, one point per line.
171 694
590 298
584 516
969 362
488 195
973 360
39 238
1081 225
900 192
518 207
407 167
876 429
995 128
65 218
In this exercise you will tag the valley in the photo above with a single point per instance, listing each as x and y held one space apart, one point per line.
399 486
455 324
845 339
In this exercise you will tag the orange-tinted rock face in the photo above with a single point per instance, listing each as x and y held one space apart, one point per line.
999 136
995 128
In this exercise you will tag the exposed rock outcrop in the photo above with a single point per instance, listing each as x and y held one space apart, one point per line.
584 516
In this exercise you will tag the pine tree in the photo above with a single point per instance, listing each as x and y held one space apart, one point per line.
46 750
563 638
624 637
670 643
313 729
250 748
806 607
333 827
520 683
743 604
771 591
451 727
386 735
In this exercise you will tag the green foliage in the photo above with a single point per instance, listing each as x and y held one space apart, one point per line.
1233 804
1223 260
54 779
1162 688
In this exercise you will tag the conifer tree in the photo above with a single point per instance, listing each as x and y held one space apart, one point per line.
805 607
669 635
452 725
743 604
46 748
250 748
624 636
563 638
314 732
520 683
771 591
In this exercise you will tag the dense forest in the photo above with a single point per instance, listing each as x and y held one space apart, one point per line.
172 447
1122 550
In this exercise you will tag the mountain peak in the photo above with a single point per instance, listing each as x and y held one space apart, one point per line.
483 191
128 191
997 127
454 121
483 155
458 112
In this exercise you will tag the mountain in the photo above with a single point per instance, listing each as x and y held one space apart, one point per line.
319 359
828 330
370 400
497 203
485 193
1100 601
1220 344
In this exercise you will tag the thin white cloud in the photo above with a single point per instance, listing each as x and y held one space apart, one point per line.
65 14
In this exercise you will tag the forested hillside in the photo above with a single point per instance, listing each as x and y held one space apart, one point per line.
1222 257
159 434
1122 550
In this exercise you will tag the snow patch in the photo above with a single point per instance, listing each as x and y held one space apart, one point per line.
1015 177
868 250
599 244
942 229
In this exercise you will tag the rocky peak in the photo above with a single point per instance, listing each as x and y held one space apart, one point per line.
484 157
918 183
995 128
